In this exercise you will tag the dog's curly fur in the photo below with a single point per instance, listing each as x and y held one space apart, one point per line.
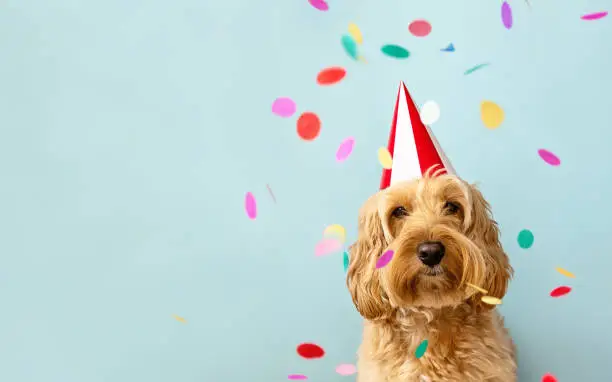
406 302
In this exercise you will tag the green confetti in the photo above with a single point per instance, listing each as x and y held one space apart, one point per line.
525 239
346 260
350 46
420 350
395 51
475 68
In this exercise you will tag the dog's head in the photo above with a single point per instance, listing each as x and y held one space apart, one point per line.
443 236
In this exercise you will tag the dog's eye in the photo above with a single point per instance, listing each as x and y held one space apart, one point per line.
399 212
451 208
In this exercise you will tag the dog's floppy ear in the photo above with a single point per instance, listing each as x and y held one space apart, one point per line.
484 230
362 276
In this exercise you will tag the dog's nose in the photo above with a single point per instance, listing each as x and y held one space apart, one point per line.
430 252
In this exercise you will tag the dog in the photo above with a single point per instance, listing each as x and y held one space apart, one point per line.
445 241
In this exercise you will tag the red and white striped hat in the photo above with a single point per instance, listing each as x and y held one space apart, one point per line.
412 145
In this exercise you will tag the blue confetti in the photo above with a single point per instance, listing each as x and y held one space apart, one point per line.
449 48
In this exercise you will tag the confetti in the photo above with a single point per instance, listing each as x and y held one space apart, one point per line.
395 51
549 378
565 272
345 149
250 205
506 15
297 377
560 291
271 193
477 288
594 16
346 369
330 76
475 68
492 114
491 300
179 319
283 107
430 112
449 48
384 157
310 351
308 126
525 239
319 4
350 46
549 157
385 259
355 33
345 259
421 349
327 246
335 230
419 28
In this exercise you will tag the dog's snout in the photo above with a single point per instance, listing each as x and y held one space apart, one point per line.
430 252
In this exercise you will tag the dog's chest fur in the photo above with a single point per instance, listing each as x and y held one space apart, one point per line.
462 347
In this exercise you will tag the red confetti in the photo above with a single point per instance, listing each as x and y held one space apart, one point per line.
310 351
308 126
330 76
549 378
560 291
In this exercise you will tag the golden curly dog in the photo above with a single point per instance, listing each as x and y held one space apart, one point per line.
444 238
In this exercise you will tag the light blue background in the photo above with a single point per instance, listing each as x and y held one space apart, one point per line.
130 132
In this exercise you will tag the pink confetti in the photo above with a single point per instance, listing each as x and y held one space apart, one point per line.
297 377
419 28
327 246
250 205
346 369
506 15
549 157
319 4
385 259
345 149
595 16
283 107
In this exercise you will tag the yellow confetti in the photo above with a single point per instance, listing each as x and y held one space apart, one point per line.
335 230
477 288
384 157
362 59
491 300
355 33
179 319
492 114
565 272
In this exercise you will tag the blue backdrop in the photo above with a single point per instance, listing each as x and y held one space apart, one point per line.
130 132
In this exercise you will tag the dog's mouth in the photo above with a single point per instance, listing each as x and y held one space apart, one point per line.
434 271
